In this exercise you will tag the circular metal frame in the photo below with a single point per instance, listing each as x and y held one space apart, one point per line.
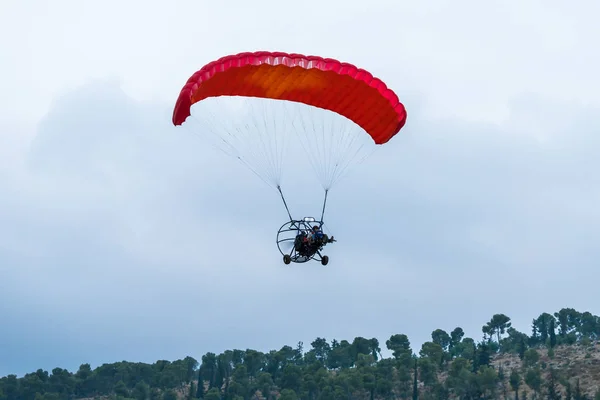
287 242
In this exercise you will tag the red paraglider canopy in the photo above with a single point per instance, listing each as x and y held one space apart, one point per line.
321 82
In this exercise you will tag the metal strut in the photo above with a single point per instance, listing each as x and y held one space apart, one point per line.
284 203
324 203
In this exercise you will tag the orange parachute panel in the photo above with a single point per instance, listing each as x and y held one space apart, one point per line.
316 81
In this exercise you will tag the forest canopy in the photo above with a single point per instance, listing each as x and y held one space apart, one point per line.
501 362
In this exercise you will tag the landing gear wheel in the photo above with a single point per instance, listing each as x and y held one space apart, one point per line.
287 259
324 260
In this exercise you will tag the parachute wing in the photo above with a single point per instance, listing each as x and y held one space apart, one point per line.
320 82
251 102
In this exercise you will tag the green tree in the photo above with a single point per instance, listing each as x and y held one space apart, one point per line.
401 350
192 391
522 346
169 394
240 382
225 368
496 326
361 345
457 334
427 371
455 341
322 349
569 320
433 352
141 391
487 378
590 325
367 373
265 384
340 356
208 370
190 364
441 338
531 358
483 356
213 394
415 382
541 327
533 379
288 394
384 378
291 378
121 389
515 342
515 382
460 378
552 388
465 349
254 362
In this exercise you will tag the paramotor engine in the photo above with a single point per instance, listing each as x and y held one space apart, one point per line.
250 102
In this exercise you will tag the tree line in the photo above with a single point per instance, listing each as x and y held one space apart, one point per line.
449 366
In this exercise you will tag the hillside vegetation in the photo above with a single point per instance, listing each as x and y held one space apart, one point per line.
558 360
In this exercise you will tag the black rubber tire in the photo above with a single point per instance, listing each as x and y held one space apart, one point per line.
324 260
287 259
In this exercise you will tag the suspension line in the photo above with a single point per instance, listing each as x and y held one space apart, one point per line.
284 203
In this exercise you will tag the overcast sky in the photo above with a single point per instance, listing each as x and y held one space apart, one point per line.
125 238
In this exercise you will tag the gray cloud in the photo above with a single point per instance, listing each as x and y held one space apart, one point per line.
124 238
